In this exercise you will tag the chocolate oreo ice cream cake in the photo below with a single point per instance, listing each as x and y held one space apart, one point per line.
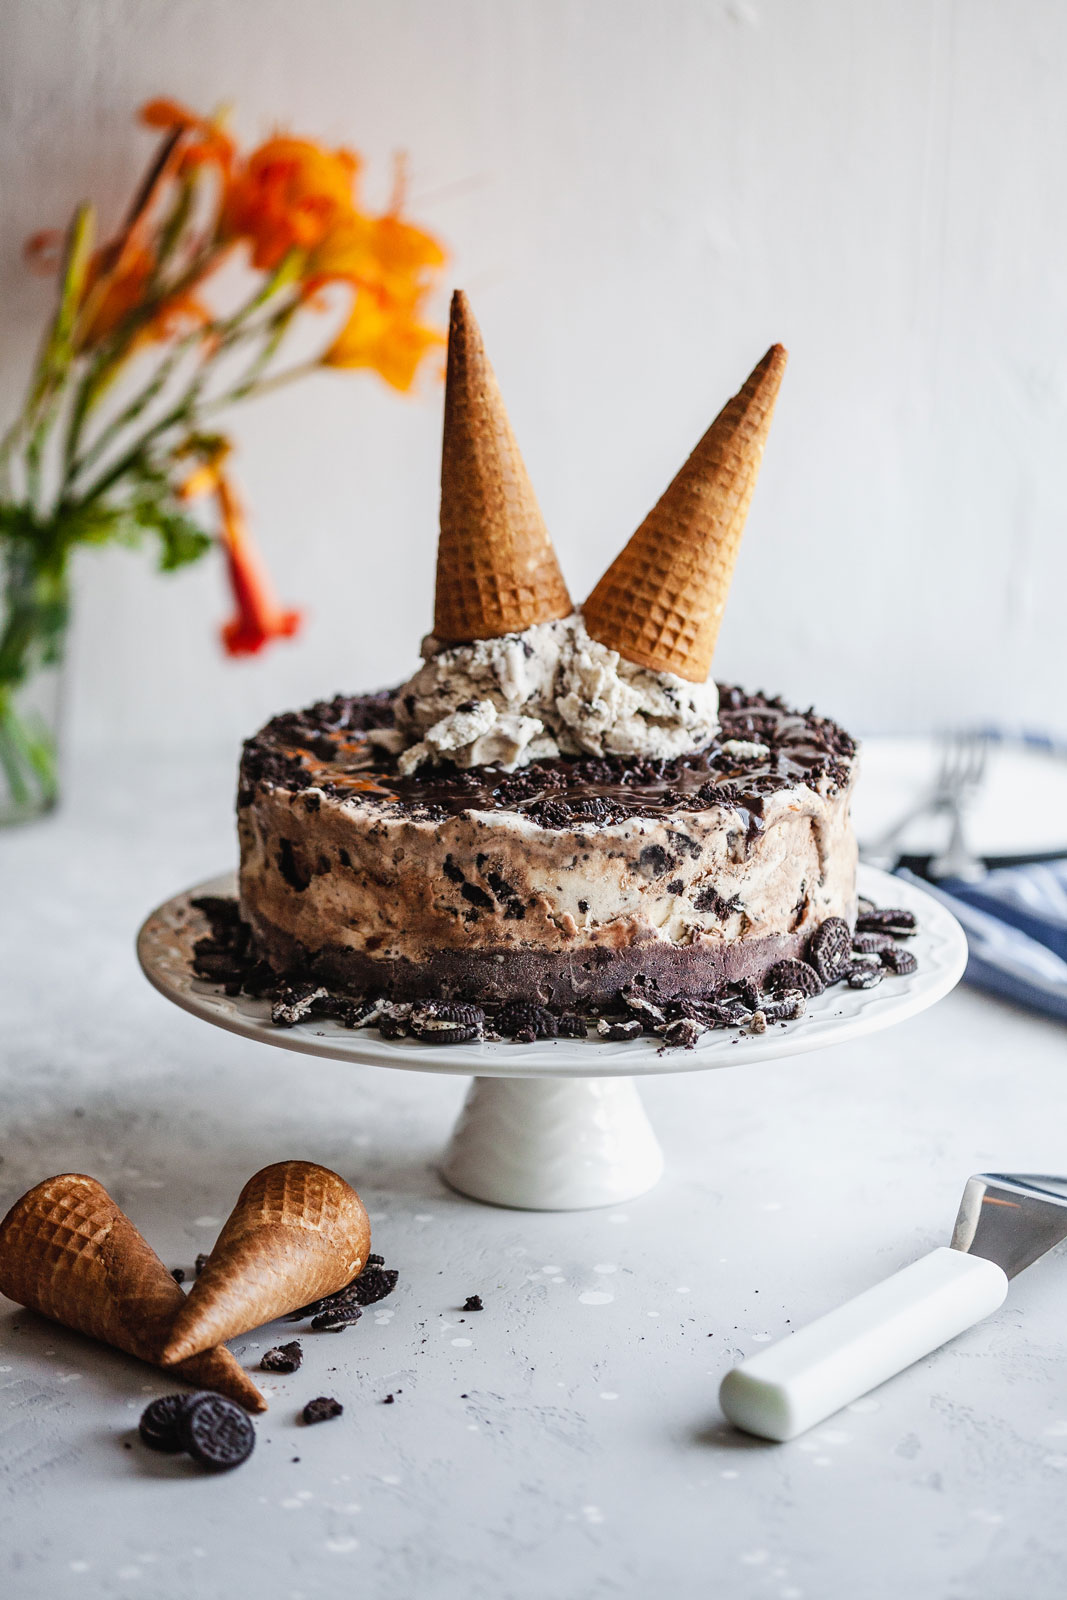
561 818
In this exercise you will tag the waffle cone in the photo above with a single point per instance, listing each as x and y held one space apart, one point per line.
497 572
297 1232
661 601
68 1252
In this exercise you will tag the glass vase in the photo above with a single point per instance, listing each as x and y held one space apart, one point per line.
34 612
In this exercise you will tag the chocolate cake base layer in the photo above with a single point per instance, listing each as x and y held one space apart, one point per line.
590 974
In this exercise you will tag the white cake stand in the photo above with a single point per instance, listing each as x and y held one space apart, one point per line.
559 1125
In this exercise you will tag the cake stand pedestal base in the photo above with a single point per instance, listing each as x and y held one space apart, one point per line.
553 1144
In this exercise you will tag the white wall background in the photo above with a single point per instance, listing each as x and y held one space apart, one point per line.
639 197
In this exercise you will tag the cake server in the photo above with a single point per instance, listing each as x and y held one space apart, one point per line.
1006 1222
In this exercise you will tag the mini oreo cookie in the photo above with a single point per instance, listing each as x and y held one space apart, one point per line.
789 974
887 920
447 1022
160 1424
216 1432
283 1358
830 949
525 1022
322 1409
335 1319
868 944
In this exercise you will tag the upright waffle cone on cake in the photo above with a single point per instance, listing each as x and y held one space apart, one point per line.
661 601
67 1251
297 1232
497 572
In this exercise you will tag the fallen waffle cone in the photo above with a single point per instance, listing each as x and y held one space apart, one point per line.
661 601
67 1251
497 572
297 1232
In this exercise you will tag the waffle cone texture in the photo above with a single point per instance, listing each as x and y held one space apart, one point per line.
68 1252
497 571
661 601
297 1232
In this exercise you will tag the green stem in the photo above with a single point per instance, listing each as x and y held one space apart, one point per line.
28 757
226 334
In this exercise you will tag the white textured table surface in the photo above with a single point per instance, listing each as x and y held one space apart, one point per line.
565 1443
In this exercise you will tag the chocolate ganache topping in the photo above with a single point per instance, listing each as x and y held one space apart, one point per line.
762 747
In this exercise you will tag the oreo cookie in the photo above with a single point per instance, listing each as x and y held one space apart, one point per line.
830 949
160 1422
788 975
335 1319
217 1433
887 920
446 1022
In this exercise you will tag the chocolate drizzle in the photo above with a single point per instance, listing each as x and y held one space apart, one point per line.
323 749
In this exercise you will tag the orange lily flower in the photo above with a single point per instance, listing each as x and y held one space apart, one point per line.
209 142
288 196
385 335
382 253
258 617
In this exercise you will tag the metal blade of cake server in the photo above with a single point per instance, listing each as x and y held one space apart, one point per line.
1011 1218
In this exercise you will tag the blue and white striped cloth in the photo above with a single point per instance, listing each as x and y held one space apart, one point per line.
1015 920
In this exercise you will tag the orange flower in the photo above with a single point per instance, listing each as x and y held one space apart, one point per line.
385 335
208 141
375 252
115 292
289 195
112 292
258 617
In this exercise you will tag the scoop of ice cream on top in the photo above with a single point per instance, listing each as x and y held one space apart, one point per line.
551 690
512 672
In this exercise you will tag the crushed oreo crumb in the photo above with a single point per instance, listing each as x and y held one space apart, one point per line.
619 1031
865 976
283 1358
322 1409
178 1274
899 961
473 1302
834 954
683 1033
200 1263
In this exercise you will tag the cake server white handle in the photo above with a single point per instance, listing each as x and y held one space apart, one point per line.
803 1379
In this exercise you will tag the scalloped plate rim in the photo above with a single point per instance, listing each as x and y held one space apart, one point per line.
940 947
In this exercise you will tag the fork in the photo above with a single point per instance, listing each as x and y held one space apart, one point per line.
961 767
957 860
